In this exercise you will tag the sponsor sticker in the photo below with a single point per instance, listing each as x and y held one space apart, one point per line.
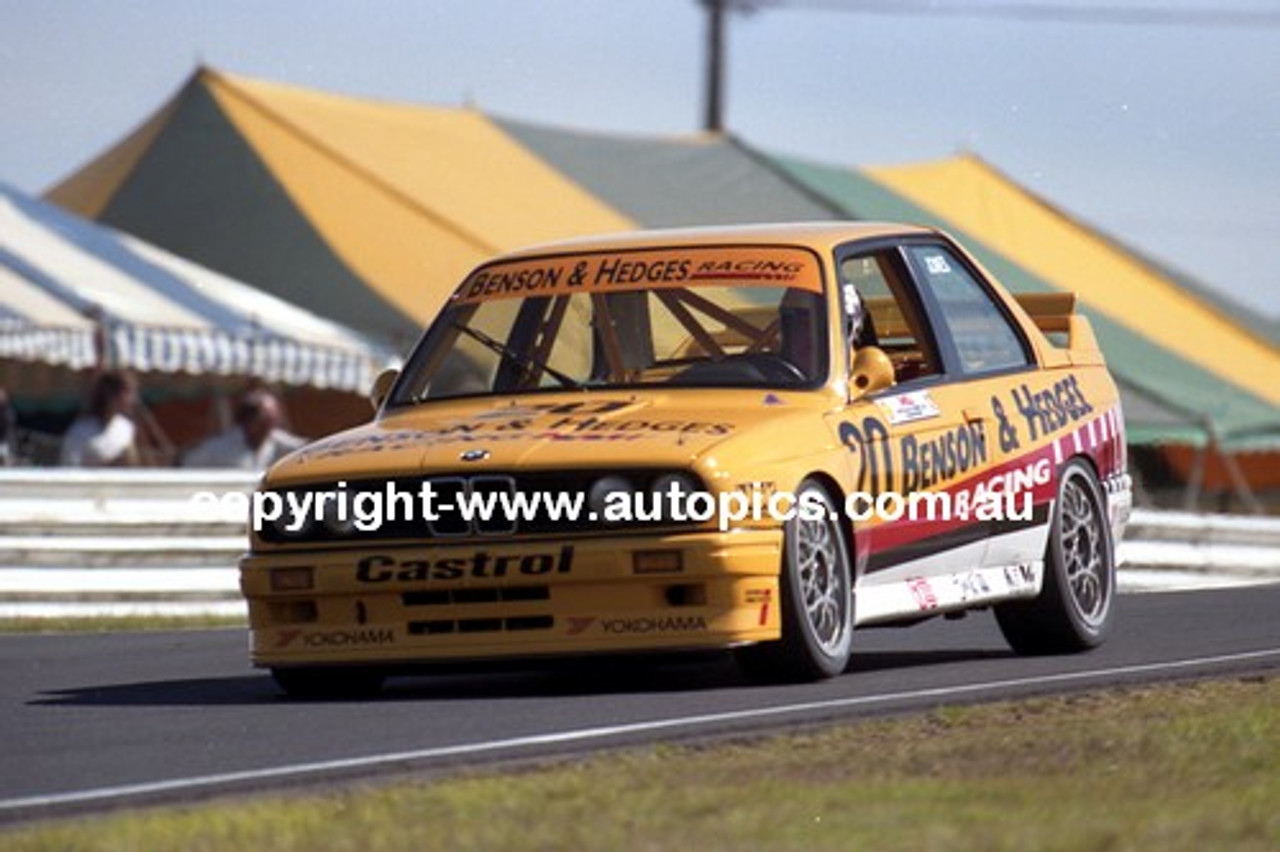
577 625
661 624
643 269
923 594
937 264
909 407
357 638
481 565
763 598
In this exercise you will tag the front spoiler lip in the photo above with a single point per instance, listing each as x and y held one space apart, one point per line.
522 663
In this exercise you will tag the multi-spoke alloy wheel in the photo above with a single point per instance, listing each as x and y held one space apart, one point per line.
824 583
1083 546
1073 610
817 597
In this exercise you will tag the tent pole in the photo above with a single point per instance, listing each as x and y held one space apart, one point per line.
1238 480
1191 498
101 338
1141 495
159 451
1241 484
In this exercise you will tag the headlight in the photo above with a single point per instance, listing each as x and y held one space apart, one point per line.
291 526
599 499
337 515
670 493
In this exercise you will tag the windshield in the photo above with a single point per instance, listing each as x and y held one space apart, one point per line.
730 317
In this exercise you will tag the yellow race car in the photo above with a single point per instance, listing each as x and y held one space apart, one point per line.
749 438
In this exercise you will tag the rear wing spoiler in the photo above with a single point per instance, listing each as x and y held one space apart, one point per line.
1056 317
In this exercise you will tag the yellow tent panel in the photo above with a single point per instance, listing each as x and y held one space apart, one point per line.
405 195
975 197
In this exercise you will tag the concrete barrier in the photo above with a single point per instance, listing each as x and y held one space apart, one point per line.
76 542
1217 543
127 542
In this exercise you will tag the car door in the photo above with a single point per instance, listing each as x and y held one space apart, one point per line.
985 352
927 441
901 550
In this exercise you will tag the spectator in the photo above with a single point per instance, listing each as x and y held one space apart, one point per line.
8 430
255 442
105 436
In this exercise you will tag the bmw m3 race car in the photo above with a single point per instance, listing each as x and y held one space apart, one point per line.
751 438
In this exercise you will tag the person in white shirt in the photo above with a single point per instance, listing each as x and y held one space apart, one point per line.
255 442
105 436
8 430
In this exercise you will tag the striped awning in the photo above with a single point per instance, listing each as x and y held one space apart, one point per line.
76 294
35 327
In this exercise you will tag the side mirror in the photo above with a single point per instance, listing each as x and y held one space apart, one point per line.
871 371
382 387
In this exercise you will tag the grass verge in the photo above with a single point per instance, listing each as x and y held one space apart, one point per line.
119 623
1172 767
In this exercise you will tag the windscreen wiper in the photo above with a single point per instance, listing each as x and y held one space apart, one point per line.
527 361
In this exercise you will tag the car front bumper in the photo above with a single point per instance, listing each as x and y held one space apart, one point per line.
479 600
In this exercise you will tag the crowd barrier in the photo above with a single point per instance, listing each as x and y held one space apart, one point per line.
77 542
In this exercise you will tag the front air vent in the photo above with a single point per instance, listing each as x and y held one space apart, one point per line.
445 597
442 626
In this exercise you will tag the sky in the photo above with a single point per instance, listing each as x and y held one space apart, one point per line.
1164 135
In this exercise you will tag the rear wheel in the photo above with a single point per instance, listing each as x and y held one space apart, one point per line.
816 589
329 683
1073 610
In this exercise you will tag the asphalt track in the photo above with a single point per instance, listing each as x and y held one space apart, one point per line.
93 722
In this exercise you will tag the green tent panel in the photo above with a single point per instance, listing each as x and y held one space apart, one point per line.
672 183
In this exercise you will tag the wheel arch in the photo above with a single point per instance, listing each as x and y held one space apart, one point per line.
1092 465
1087 459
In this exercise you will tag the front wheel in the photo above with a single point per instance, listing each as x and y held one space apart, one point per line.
1073 611
816 588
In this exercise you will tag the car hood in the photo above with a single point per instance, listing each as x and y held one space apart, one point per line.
546 432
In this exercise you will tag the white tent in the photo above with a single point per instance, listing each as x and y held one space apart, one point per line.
77 295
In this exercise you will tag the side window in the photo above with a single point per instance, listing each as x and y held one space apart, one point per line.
892 319
982 335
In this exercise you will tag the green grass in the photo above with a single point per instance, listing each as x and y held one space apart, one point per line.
1169 767
119 623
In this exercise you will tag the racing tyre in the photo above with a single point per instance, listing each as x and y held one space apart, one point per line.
328 683
816 592
1073 610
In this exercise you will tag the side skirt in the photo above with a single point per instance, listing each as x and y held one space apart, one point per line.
916 596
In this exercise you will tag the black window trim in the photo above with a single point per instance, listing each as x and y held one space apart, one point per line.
953 363
891 248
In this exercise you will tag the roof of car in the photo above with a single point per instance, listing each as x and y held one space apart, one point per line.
817 235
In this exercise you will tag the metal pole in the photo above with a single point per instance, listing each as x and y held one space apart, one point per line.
714 120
